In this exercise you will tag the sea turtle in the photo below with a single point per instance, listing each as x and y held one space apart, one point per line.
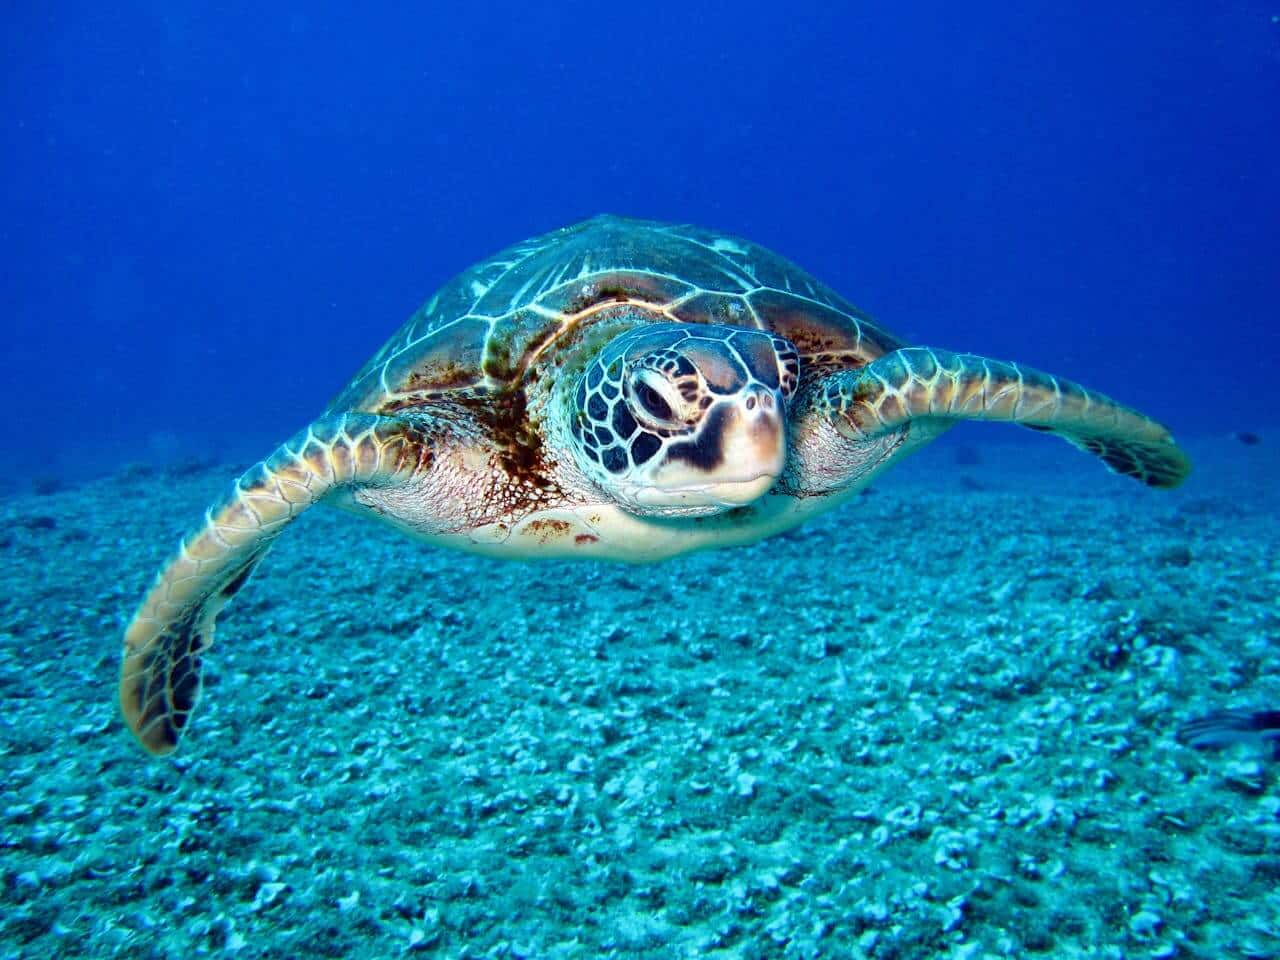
617 389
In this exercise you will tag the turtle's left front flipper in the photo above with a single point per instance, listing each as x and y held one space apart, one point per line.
920 383
165 641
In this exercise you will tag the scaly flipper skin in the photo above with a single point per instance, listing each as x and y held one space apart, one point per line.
160 677
917 383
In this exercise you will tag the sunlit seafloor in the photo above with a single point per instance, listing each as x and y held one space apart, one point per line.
936 723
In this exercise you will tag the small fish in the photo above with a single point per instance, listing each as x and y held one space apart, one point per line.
1223 728
1247 438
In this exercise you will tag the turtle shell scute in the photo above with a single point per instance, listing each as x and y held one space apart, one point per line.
565 294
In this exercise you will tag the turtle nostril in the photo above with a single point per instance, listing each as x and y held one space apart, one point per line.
759 399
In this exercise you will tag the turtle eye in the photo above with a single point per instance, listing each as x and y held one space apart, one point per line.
651 400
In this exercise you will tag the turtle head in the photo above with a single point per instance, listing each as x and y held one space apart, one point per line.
684 419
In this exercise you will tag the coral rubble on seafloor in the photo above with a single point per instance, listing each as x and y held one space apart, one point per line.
937 723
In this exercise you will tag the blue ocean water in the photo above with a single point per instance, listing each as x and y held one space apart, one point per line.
212 216
939 722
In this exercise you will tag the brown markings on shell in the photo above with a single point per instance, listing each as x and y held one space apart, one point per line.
461 355
447 375
717 308
824 336
585 538
574 346
449 359
516 339
527 333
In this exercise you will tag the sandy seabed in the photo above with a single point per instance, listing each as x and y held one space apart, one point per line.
939 722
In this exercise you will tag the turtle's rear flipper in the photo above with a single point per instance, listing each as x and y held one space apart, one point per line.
922 383
165 641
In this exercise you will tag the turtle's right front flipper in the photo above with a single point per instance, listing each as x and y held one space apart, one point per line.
165 641
925 384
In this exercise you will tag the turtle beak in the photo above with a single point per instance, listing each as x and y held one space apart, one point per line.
736 457
754 444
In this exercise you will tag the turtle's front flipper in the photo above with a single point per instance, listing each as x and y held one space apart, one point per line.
165 641
919 383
